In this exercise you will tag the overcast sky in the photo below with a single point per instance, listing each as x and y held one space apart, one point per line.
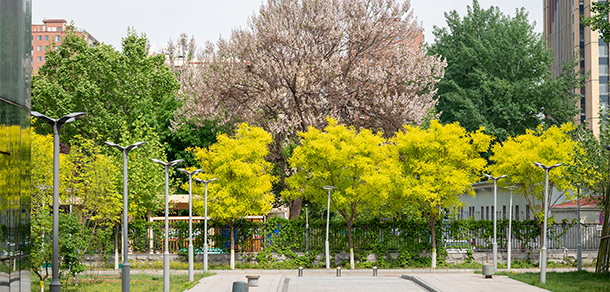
108 20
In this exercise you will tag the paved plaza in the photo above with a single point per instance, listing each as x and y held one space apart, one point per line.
362 280
350 283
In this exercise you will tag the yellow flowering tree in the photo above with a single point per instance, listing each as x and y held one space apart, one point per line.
244 177
355 162
438 165
515 158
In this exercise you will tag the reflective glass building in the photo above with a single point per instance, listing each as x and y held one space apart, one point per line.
15 76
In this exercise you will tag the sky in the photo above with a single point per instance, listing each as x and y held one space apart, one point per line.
161 21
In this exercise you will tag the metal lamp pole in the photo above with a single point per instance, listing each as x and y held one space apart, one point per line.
190 174
125 265
166 252
579 246
205 224
57 124
495 244
326 246
546 195
510 225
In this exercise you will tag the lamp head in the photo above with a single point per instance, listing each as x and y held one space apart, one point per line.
194 172
329 187
43 117
135 145
494 178
71 117
205 181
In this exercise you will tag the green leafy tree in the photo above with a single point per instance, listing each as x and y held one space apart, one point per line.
438 165
244 177
114 87
146 181
515 158
590 170
88 185
357 163
498 76
41 217
599 19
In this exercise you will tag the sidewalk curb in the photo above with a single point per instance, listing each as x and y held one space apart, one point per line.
280 286
420 282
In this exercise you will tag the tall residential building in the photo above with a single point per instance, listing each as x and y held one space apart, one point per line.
15 182
567 37
49 35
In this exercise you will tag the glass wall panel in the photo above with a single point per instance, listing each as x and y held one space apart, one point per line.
15 77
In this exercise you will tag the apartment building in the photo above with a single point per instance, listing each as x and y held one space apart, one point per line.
49 35
567 36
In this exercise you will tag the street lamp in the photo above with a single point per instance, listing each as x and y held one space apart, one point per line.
205 226
326 247
579 246
55 286
495 244
546 194
510 224
190 174
166 252
125 266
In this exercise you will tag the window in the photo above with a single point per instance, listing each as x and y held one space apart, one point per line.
517 212
40 38
46 48
493 213
39 59
603 49
39 48
46 37
59 28
603 87
504 212
58 38
57 48
603 70
527 212
482 213
487 212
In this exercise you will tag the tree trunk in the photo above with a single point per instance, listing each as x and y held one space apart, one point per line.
351 244
433 235
232 246
295 208
116 247
603 252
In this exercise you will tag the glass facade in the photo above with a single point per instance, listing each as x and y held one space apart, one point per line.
15 76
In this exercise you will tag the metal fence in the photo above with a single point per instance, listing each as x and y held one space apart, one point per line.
368 238
559 237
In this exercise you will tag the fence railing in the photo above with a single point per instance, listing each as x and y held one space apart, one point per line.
366 238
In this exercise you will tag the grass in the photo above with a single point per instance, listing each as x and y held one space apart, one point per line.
568 281
138 283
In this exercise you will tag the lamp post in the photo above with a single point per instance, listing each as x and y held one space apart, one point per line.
205 224
326 246
55 286
125 266
495 244
579 246
510 225
546 195
166 243
190 174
